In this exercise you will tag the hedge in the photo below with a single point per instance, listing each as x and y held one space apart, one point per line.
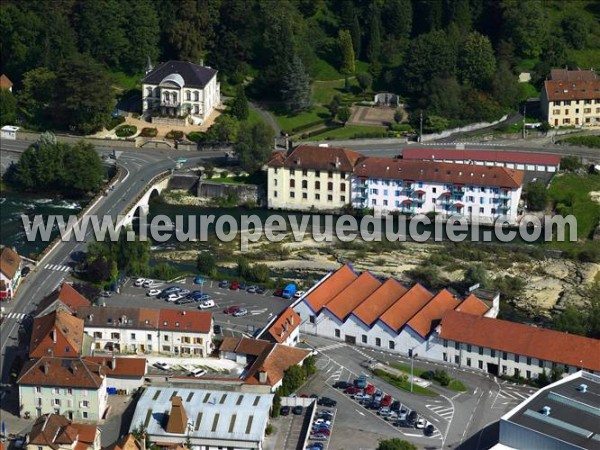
114 121
149 132
126 130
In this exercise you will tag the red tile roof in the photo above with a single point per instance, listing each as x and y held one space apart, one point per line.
429 317
287 322
67 295
520 339
57 334
439 172
379 301
123 367
572 75
57 431
244 346
397 315
10 261
5 82
63 372
275 362
329 288
318 158
480 155
472 305
176 320
352 295
572 90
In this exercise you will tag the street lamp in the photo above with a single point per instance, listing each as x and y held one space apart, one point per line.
412 359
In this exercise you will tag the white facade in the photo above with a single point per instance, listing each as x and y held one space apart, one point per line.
482 204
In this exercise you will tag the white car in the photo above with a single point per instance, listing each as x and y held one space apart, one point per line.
421 423
206 304
174 297
162 365
148 283
139 282
153 292
198 372
299 294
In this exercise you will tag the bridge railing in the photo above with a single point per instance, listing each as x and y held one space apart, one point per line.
156 179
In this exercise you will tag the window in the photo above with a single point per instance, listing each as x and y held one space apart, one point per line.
480 365
317 185
493 353
304 172
469 348
115 335
482 189
85 414
292 194
528 361
330 198
392 345
343 198
38 390
378 342
149 337
445 343
504 370
85 404
420 184
132 335
56 402
468 362
397 193
166 348
481 350
481 210
317 173
292 183
304 184
312 319
196 96
516 358
330 174
374 201
434 190
274 193
482 200
445 356
456 359
528 372
166 337
317 196
337 333
364 338
385 192
456 346
275 182
292 171
56 391
343 187
343 175
305 196
330 186
69 391
98 334
385 203
504 356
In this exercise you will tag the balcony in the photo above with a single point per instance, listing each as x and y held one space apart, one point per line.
504 196
169 103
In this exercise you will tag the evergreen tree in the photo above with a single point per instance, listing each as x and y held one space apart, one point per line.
239 107
526 24
344 114
373 50
296 92
254 146
356 36
477 62
142 33
8 108
346 52
397 16
35 96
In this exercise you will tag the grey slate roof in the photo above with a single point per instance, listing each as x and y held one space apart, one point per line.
194 75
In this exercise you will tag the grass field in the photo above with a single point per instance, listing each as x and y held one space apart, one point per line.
323 91
585 141
288 122
404 385
126 81
348 132
254 117
455 385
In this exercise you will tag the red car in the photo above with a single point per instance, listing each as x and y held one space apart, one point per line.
386 400
278 293
231 309
370 389
352 390
234 286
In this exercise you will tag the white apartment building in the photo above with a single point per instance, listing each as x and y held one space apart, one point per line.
311 178
478 193
166 332
179 88
571 98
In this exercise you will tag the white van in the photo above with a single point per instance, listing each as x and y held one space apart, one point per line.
198 372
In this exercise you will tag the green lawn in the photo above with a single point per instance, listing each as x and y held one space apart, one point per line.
455 385
288 122
571 195
126 81
404 385
255 178
254 116
323 91
348 132
325 71
529 90
586 58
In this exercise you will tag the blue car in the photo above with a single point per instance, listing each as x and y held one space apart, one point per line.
198 280
315 446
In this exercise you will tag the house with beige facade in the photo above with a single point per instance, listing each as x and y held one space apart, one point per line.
10 273
571 98
179 89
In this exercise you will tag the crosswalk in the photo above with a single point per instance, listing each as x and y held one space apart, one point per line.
330 347
57 267
513 395
16 316
444 411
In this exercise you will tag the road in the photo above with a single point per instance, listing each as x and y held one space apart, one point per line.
138 167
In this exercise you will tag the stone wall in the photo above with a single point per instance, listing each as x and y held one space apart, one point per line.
246 193
184 181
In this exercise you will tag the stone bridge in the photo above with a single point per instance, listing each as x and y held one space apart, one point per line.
140 204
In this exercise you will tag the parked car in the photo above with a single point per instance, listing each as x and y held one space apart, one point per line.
139 282
298 410
299 294
224 284
420 423
148 283
252 289
429 430
361 382
278 292
412 417
25 271
403 415
198 280
240 312
326 401
284 411
315 446
260 290
321 430
183 291
173 297
370 389
403 424
386 400
395 406
231 309
351 390
320 422
170 290
217 329
153 292
289 290
198 372
341 385
106 294
234 286
318 437
183 300
242 286
206 304
162 365
392 416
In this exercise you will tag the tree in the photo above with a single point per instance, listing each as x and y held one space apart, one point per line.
349 21
36 95
365 80
83 169
142 32
526 24
537 196
346 52
477 62
344 114
255 145
224 130
398 115
397 16
476 274
296 92
576 28
505 87
373 50
571 320
334 105
205 263
593 319
8 108
570 163
395 444
82 96
239 107
444 98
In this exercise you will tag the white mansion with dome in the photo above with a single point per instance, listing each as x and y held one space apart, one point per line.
180 88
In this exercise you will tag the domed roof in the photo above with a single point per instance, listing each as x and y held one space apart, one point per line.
174 78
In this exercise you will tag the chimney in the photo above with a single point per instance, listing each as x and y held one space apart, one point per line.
178 419
45 368
202 62
337 162
183 313
262 376
112 364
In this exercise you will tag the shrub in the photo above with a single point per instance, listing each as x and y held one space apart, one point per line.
570 163
401 128
114 121
149 132
126 130
175 135
196 136
269 429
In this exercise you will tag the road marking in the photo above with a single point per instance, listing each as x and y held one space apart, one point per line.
360 412
57 267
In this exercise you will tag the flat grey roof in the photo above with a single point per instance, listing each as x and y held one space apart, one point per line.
239 416
574 415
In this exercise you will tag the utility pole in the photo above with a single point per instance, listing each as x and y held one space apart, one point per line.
524 118
412 359
421 127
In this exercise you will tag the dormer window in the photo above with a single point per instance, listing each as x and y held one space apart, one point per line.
165 323
177 324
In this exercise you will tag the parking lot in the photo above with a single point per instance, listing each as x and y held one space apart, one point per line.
261 307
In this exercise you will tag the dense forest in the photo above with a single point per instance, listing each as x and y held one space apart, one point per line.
456 60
